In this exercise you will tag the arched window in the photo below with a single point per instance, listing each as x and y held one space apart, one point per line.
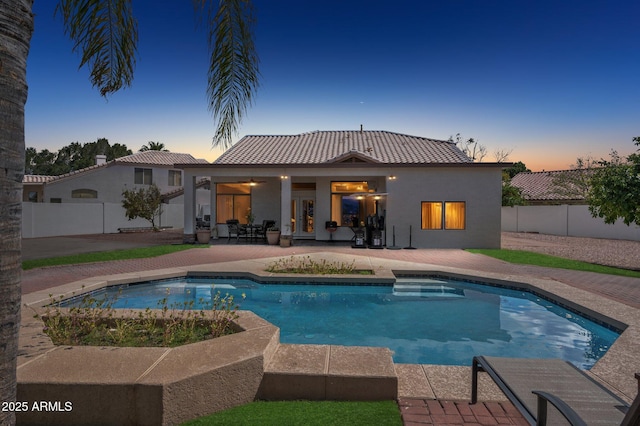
84 193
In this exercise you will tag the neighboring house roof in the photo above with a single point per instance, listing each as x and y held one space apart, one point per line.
145 158
203 182
159 158
36 179
557 185
331 147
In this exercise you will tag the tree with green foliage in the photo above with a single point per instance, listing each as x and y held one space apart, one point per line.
105 34
615 188
144 202
72 157
511 195
41 163
516 168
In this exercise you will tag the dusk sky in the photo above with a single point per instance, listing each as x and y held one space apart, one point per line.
549 80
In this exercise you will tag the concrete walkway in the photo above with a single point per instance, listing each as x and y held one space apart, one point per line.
417 407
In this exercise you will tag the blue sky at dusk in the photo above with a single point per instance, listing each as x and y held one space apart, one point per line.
550 80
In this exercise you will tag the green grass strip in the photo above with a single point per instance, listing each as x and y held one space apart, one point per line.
306 413
539 259
106 256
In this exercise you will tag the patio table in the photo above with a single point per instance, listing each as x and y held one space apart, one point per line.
252 232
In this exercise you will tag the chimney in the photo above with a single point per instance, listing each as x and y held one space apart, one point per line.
101 159
361 128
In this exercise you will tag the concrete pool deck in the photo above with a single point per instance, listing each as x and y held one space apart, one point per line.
617 298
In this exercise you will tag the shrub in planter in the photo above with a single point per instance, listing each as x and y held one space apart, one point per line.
273 235
285 240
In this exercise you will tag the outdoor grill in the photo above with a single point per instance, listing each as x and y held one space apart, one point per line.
331 226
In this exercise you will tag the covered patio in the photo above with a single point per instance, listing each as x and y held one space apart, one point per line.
296 200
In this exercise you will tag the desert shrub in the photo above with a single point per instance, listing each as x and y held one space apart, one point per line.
94 322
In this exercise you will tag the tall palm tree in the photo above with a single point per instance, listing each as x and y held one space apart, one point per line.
105 34
153 146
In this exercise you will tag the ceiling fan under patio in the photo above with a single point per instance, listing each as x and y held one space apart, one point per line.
251 182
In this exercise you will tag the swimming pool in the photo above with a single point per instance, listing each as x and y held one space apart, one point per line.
422 320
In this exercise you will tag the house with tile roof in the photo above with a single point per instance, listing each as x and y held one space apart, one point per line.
105 181
89 200
553 187
33 187
424 192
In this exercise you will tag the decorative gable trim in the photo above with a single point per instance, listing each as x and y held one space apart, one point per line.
353 156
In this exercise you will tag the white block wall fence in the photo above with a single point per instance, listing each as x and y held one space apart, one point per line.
61 219
565 220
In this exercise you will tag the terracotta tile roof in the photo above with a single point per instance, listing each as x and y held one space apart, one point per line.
160 158
26 179
147 158
81 171
180 191
545 185
335 146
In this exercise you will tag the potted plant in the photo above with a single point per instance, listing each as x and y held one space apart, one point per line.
273 235
286 238
203 235
250 217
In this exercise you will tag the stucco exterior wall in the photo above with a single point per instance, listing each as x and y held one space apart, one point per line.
265 201
479 188
108 181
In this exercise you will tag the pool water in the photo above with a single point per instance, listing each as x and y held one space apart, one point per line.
432 323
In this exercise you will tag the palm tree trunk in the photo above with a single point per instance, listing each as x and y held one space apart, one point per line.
16 26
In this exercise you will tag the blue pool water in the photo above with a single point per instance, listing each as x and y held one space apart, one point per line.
440 323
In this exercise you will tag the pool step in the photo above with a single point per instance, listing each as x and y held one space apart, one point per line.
425 287
328 372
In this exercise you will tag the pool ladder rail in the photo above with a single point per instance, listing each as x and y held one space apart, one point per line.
425 288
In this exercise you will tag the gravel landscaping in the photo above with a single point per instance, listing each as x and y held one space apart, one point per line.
618 253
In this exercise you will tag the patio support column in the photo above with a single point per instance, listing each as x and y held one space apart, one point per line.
285 206
213 208
189 230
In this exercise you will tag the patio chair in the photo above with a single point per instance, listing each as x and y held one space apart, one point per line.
261 232
531 383
203 223
235 230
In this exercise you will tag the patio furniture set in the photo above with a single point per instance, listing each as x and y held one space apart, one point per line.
250 232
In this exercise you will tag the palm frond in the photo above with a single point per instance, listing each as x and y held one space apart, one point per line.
106 34
233 69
